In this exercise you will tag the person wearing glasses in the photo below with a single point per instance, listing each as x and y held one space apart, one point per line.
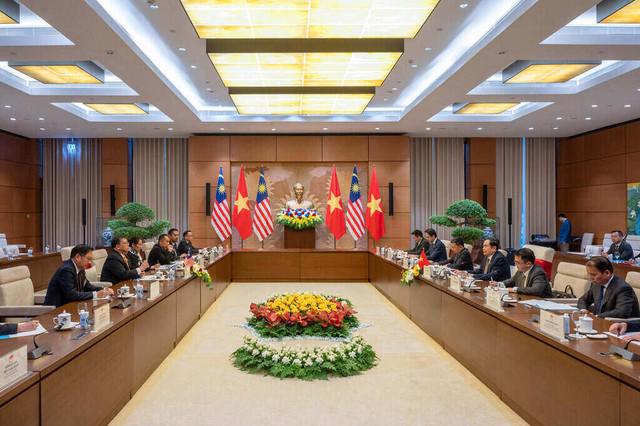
530 279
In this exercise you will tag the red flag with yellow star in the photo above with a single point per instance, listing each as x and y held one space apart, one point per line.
241 217
335 213
374 215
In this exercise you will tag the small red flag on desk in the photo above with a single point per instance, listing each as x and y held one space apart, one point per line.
423 260
335 213
241 218
375 215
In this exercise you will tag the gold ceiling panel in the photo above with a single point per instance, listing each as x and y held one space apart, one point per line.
550 73
253 19
9 12
627 14
57 74
486 107
118 109
301 104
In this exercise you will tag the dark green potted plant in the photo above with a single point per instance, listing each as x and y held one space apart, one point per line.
127 222
467 217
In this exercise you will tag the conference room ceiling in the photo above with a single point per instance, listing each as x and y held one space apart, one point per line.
476 68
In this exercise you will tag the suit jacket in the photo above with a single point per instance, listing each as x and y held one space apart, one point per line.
461 261
619 300
437 252
186 247
115 269
8 329
536 283
63 286
158 255
498 269
633 326
624 251
135 259
423 244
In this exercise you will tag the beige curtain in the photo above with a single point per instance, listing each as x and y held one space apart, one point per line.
437 179
541 186
72 170
508 185
160 178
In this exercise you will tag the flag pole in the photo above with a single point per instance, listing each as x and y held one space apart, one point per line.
334 242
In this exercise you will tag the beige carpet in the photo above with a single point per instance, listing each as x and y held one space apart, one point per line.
415 383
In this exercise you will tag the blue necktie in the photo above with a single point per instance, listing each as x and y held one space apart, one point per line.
601 301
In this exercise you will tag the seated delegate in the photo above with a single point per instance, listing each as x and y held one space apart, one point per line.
69 283
186 246
117 268
608 295
420 243
136 254
22 327
620 249
632 327
437 249
461 258
162 253
494 265
530 278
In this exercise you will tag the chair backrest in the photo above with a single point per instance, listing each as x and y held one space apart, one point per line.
3 241
544 253
587 240
99 257
633 278
65 253
447 245
504 252
572 274
147 246
468 247
16 288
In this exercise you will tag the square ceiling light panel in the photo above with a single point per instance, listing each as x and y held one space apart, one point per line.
315 69
120 109
522 72
9 12
61 73
618 12
483 107
254 19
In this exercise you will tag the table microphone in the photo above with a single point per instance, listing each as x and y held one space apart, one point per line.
38 351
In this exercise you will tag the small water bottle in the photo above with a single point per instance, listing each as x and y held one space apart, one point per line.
58 248
139 290
30 251
46 249
84 319
172 274
565 323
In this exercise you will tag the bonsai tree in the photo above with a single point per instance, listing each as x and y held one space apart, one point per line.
129 215
467 217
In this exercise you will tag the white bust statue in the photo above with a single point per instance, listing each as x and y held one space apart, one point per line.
299 202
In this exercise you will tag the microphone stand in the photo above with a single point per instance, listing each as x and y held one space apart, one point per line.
38 351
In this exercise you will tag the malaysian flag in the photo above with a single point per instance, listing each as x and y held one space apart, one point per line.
220 217
355 217
262 220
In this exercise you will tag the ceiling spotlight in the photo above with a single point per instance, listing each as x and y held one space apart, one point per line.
555 128
394 89
7 106
12 119
221 128
152 4
40 118
428 128
194 67
209 89
530 128
325 128
627 106
42 128
68 128
274 129
558 118
429 49
377 128
463 5
385 99
594 106
170 129
587 118
414 65
182 49
479 128
119 129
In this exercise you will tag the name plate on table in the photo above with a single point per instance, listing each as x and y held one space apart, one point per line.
427 272
494 299
378 251
552 325
13 366
101 316
455 283
154 290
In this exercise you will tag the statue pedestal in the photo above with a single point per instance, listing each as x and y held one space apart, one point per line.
305 238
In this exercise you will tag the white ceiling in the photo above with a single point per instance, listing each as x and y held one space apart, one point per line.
140 46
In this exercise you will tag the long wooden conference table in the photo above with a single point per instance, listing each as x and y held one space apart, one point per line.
87 381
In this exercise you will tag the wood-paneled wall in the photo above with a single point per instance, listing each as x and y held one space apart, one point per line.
389 153
115 171
592 175
20 190
481 169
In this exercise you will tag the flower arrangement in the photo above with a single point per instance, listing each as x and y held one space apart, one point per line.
299 218
303 314
203 274
349 358
409 274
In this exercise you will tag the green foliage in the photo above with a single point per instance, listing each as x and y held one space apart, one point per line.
467 217
312 330
126 222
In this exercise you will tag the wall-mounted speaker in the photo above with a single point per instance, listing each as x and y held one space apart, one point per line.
207 198
485 196
510 211
84 212
390 198
112 199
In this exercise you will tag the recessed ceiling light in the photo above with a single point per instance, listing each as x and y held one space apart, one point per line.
558 118
385 99
42 128
587 118
12 119
221 128
377 128
483 107
170 129
428 128
463 5
522 72
555 128
428 49
274 129
7 106
479 128
241 19
627 106
594 106
414 65
40 118
394 88
530 128
68 128
119 129
325 128
194 67
182 49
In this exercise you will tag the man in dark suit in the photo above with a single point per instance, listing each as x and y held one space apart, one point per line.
136 255
461 258
620 249
186 246
162 252
421 243
437 249
608 296
174 235
69 283
21 327
494 266
624 327
530 278
116 268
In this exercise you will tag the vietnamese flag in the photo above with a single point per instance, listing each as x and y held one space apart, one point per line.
241 218
375 215
335 213
423 261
